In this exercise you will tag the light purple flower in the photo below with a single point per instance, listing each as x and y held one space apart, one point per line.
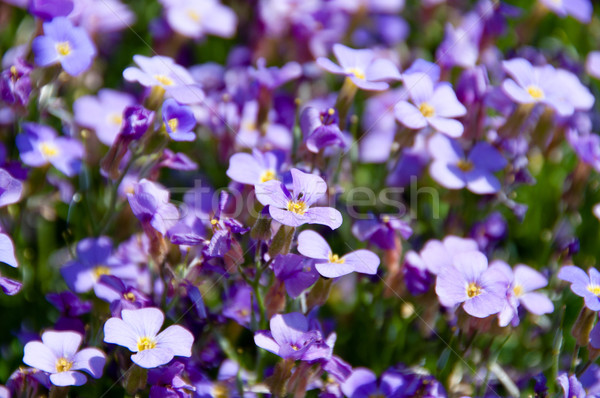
460 46
291 338
103 113
437 255
65 44
40 145
362 67
381 231
521 284
432 105
58 355
272 77
150 204
119 295
294 208
330 265
10 189
583 285
363 383
269 136
453 170
592 64
469 281
535 84
102 16
163 72
138 332
572 387
7 251
196 19
254 168
179 121
321 130
578 9
48 9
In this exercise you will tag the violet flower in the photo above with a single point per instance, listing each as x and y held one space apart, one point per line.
40 145
470 282
572 387
381 230
521 284
49 9
196 19
150 204
432 105
330 265
254 168
223 228
417 278
579 9
321 130
296 272
361 67
138 332
65 44
294 208
271 135
58 355
438 255
119 295
10 189
15 83
169 382
179 121
453 170
582 284
103 113
291 338
238 305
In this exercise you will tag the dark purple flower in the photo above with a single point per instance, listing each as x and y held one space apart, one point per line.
381 230
417 278
330 265
583 285
469 281
138 332
119 295
453 170
58 354
49 9
168 382
40 145
298 273
223 228
489 231
321 130
238 306
65 44
294 208
291 338
179 121
15 83
571 386
136 121
69 304
362 67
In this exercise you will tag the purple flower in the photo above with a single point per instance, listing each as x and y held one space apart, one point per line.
417 278
533 84
177 161
583 285
489 231
592 64
94 259
163 72
433 105
223 228
238 305
571 386
520 290
15 83
48 9
39 145
437 255
578 9
330 265
10 286
469 281
136 121
294 208
291 338
120 296
168 382
268 136
296 272
138 332
58 355
362 67
363 383
451 169
103 113
321 130
273 77
254 168
179 121
195 19
10 189
150 204
461 44
65 44
381 231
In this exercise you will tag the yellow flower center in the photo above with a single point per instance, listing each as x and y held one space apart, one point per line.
129 296
146 343
595 289
63 364
173 124
49 150
473 290
115 118
101 270
243 312
385 219
194 16
164 80
214 221
518 290
220 391
356 72
536 92
465 165
295 347
13 72
63 48
267 175
297 206
335 259
426 110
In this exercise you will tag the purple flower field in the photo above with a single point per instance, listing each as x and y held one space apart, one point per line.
289 198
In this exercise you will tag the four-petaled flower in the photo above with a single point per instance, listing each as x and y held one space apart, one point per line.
138 331
583 285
